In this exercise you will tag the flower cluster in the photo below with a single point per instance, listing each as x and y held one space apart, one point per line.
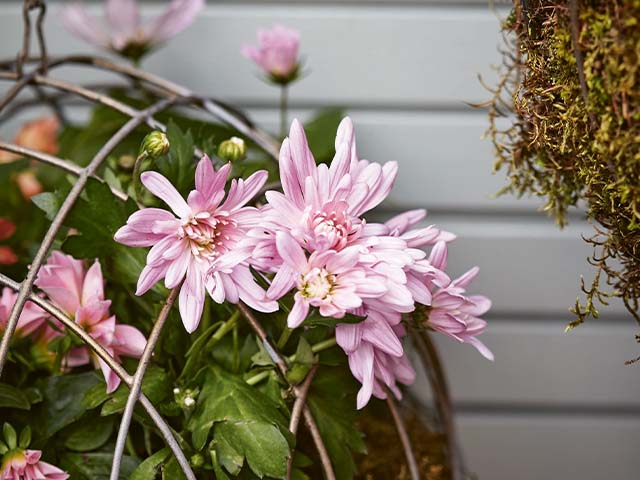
311 239
80 294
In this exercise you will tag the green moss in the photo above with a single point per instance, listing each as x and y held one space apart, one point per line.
575 144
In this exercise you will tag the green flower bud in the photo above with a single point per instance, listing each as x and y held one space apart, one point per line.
232 150
197 460
155 144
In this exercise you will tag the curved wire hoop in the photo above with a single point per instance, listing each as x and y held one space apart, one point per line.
167 95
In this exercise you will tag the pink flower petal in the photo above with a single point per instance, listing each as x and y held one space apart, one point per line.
162 188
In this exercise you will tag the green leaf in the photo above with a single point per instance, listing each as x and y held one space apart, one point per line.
262 444
25 437
12 397
95 397
95 466
304 359
242 418
178 165
172 471
332 400
48 202
317 320
157 385
89 434
149 469
10 436
62 406
321 132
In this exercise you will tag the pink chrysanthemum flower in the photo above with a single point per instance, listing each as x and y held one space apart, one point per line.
454 313
26 465
200 242
276 53
126 34
330 280
376 356
321 206
31 319
80 294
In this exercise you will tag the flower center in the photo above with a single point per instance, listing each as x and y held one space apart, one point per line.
208 235
330 228
317 284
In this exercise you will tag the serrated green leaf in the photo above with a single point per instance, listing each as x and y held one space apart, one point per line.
48 202
149 469
261 443
172 471
62 406
240 415
95 466
157 385
88 435
12 397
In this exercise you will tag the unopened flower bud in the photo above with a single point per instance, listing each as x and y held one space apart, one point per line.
197 460
189 402
155 144
232 150
176 391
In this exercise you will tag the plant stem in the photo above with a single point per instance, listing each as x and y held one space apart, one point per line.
137 185
225 328
318 347
284 104
325 344
284 338
130 448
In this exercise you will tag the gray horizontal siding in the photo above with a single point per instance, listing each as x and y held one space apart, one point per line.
553 405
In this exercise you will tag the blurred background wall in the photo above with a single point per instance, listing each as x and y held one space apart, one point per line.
554 405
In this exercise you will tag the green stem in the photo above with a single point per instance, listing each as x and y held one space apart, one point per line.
318 347
225 328
325 344
130 448
284 338
284 102
137 185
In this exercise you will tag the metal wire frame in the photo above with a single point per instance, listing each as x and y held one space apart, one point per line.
168 94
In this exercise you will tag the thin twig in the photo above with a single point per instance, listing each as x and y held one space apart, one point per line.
56 162
404 437
296 412
99 350
281 363
310 422
435 373
77 188
145 359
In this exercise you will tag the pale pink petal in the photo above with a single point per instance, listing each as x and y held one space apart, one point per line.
382 336
298 313
466 278
123 16
177 17
129 341
291 252
361 363
177 269
250 292
191 300
348 336
282 283
75 18
162 188
150 275
112 380
93 288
